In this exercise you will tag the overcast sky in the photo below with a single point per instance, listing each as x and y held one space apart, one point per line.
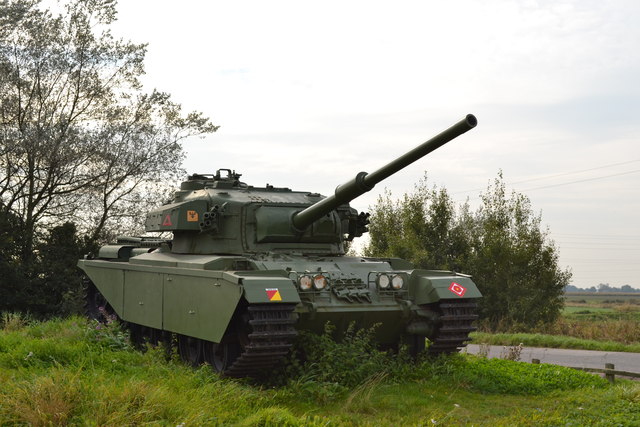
309 93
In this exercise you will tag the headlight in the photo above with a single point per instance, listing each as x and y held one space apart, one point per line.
305 282
383 281
397 282
319 282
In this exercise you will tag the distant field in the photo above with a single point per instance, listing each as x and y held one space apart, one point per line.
572 309
600 306
602 298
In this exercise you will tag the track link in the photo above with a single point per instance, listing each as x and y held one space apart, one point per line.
456 318
271 337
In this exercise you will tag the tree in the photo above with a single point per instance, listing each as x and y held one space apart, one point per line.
79 139
515 262
512 260
422 227
13 279
57 289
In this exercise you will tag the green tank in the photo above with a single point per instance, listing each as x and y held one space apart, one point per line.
248 267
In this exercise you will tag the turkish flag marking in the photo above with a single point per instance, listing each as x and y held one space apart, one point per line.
457 289
273 294
167 220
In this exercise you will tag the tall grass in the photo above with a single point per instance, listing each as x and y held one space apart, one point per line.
626 331
596 325
69 372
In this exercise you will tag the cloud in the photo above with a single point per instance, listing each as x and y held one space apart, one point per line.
309 94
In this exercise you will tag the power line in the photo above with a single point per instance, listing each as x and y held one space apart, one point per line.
583 180
597 247
562 174
574 172
597 236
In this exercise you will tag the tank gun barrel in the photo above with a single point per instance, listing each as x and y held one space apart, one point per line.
364 181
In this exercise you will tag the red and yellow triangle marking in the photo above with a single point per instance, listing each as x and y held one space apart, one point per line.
273 294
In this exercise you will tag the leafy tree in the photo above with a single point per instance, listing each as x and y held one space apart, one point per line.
422 227
57 289
515 262
13 279
512 260
79 139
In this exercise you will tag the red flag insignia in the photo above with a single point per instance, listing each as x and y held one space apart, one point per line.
273 294
457 289
167 220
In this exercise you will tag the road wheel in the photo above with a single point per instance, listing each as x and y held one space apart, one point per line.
221 356
190 350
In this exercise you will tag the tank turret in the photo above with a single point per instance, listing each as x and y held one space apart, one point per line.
208 212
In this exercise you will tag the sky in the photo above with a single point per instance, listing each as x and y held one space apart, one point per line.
307 94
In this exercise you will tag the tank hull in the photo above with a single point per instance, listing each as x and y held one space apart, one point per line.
204 299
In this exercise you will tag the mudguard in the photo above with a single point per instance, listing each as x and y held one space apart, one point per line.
429 286
197 303
266 289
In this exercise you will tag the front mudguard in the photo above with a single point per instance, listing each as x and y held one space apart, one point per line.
269 289
429 286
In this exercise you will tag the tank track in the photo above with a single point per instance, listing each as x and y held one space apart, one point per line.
456 318
271 337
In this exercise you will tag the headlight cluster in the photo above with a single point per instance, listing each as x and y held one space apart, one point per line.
318 282
386 281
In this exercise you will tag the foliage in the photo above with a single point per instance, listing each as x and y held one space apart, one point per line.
325 369
14 278
501 244
50 285
79 139
60 373
110 334
83 149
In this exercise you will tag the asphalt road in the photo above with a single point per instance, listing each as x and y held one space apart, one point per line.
629 362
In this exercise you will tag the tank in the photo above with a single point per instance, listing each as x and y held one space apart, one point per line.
248 267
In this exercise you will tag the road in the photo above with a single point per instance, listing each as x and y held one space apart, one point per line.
629 362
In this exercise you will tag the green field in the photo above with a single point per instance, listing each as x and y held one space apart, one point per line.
606 322
68 372
597 299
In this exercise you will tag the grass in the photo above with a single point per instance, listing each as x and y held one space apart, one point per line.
67 372
579 310
551 341
606 322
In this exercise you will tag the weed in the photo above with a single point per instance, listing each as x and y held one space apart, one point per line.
109 334
13 321
511 353
483 351
360 398
349 362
